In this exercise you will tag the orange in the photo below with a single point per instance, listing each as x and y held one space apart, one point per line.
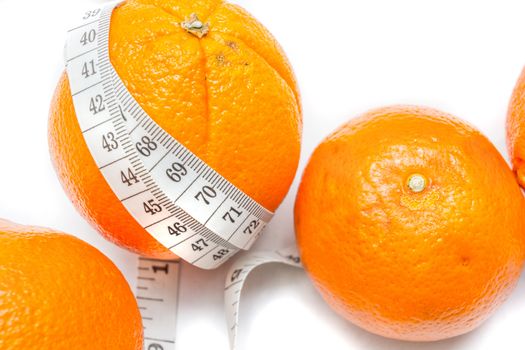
227 92
57 292
410 224
516 129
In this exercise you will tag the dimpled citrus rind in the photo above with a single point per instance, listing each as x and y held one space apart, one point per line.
57 292
413 266
516 129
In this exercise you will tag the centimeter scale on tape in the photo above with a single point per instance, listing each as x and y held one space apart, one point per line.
175 196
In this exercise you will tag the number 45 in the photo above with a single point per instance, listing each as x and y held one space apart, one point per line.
151 207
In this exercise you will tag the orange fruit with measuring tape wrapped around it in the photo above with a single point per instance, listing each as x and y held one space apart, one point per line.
212 77
411 224
57 292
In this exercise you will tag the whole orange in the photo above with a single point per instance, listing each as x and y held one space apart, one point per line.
226 92
516 129
57 292
411 224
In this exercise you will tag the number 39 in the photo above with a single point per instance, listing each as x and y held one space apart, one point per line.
91 14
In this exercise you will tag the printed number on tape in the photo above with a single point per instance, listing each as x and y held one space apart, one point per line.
176 197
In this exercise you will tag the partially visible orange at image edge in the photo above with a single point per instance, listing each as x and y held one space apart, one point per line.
57 292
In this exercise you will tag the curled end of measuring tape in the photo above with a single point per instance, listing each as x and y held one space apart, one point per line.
238 274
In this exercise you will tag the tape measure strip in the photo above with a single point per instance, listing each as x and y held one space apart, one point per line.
151 173
157 294
181 201
238 274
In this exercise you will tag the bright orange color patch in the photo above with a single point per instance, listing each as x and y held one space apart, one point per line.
57 292
516 129
399 262
230 97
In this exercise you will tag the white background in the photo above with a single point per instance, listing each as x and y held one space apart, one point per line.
459 56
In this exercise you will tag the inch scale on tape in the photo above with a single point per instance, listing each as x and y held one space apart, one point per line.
158 298
158 293
181 201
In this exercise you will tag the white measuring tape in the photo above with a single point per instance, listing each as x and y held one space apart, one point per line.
158 283
158 298
237 276
176 197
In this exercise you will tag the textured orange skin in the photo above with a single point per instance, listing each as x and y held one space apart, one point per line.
404 265
57 292
516 129
230 97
